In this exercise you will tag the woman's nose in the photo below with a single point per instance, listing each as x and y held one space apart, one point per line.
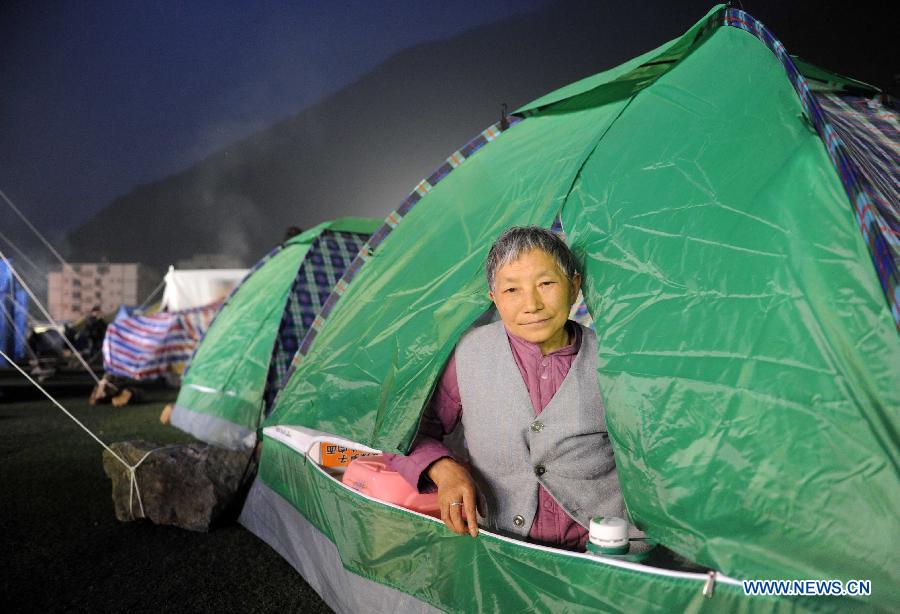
533 300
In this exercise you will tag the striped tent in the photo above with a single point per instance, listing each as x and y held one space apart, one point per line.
146 347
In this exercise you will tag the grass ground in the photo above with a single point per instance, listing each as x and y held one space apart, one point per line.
62 549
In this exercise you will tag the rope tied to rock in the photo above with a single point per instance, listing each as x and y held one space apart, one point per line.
133 485
132 481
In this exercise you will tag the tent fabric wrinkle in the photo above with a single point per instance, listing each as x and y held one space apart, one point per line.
274 520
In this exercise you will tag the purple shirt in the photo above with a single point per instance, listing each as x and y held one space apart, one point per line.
543 375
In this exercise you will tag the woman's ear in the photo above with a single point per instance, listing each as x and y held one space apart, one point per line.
576 288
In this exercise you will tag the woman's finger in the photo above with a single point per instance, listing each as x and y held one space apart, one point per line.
471 518
456 522
445 510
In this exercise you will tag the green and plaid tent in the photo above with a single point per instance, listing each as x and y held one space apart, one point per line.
732 208
241 364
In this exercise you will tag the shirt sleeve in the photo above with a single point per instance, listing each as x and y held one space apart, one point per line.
440 418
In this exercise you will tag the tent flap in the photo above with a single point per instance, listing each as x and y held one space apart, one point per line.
748 361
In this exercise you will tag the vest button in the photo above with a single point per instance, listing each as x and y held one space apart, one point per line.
518 520
540 470
537 426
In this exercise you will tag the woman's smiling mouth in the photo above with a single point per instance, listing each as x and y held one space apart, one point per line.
536 322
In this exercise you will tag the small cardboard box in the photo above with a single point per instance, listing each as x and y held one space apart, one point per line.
333 455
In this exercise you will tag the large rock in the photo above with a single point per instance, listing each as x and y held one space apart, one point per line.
186 485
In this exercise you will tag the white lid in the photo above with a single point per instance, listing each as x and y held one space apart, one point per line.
609 531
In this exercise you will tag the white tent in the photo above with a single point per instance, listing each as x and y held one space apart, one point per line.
189 288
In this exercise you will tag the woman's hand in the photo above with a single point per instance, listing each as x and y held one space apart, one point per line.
455 486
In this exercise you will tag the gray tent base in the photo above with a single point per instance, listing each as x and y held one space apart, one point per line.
212 429
268 516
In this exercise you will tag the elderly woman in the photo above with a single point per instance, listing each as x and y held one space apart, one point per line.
526 391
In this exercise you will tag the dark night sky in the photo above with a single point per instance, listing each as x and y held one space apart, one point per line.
100 96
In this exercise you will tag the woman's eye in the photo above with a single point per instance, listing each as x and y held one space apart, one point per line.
510 291
547 283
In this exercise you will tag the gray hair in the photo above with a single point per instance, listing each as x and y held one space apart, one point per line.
518 240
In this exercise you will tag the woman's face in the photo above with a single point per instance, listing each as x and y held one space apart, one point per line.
534 297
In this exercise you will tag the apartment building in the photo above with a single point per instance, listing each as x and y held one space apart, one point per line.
72 291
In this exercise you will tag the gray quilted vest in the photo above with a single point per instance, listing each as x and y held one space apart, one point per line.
566 448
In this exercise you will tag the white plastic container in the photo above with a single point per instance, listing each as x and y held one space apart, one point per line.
608 535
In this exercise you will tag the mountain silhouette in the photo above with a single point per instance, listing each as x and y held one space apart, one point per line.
363 149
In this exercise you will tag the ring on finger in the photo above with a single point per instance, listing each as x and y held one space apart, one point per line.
456 504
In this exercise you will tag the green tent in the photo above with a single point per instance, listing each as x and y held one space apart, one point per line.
749 356
243 359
